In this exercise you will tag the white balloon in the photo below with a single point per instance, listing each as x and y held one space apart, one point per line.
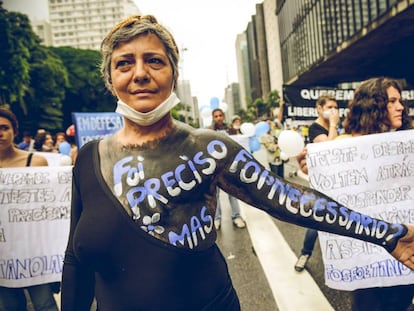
248 129
283 156
290 142
206 113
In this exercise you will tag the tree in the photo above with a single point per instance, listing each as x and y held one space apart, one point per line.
49 80
261 109
273 102
17 40
86 91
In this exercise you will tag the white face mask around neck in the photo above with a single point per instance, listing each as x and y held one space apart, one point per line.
150 117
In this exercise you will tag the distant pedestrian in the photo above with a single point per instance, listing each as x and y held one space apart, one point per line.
27 142
234 128
324 128
43 142
220 125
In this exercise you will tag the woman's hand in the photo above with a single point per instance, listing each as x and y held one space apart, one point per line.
404 251
301 157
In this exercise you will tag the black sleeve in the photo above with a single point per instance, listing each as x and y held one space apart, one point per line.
315 130
77 279
246 179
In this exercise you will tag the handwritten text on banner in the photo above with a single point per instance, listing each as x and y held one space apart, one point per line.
34 224
373 174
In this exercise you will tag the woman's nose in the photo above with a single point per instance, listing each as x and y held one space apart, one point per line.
141 72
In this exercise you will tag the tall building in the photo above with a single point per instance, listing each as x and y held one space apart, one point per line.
327 42
273 46
84 23
43 30
253 52
261 48
183 91
232 99
243 73
77 23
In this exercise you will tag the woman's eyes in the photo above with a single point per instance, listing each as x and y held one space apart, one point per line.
394 100
156 62
4 127
153 62
122 64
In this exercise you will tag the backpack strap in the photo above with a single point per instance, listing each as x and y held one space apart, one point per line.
29 159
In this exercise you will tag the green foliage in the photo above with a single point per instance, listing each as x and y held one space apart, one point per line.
86 91
17 41
49 78
273 102
246 116
260 109
180 111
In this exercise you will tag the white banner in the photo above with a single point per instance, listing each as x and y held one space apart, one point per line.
34 224
373 174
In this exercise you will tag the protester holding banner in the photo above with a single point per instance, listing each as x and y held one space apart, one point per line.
14 299
377 108
142 231
269 142
324 128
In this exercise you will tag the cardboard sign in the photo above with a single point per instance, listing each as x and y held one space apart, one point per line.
34 224
373 174
93 126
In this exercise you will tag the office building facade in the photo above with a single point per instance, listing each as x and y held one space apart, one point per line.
333 41
84 23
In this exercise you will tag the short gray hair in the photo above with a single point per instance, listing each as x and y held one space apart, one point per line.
127 30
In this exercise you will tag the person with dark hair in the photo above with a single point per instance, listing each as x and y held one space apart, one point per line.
144 199
324 128
377 108
27 142
43 142
14 299
234 128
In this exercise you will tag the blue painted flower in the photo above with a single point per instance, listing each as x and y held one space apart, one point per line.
149 224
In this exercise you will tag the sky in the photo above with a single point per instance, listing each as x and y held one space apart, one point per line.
207 31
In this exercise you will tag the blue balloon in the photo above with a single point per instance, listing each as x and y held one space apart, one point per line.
214 103
261 128
64 148
254 144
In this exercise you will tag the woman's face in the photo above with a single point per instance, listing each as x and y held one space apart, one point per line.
394 107
218 118
141 73
49 140
326 109
6 133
